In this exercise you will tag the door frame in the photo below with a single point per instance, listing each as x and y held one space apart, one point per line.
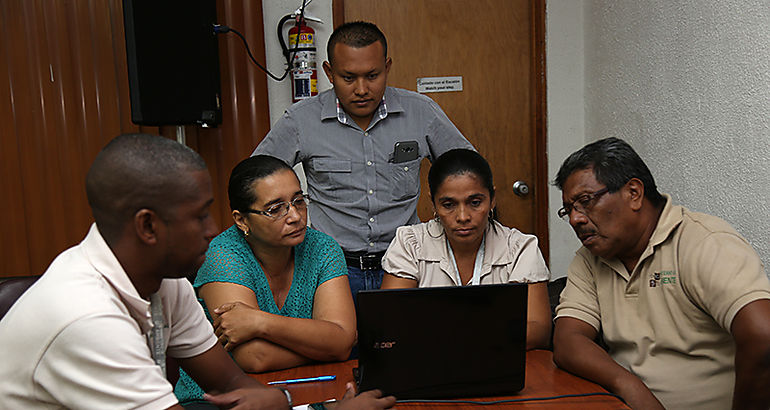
538 103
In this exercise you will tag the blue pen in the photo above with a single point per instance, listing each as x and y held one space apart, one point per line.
304 380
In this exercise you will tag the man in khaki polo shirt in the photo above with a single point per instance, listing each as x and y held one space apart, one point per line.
681 299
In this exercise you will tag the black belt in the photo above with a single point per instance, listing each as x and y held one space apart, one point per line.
364 261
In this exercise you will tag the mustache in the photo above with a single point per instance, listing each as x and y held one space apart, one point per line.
584 232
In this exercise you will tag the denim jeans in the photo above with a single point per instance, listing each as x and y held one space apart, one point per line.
363 279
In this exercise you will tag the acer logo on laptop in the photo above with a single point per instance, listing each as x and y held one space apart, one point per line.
384 345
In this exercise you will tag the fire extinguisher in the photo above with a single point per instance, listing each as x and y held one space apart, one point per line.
301 56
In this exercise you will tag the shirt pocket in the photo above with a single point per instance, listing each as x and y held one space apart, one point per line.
334 178
406 179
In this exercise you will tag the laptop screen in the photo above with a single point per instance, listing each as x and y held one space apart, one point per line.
444 342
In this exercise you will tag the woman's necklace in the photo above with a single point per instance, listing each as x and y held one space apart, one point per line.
476 279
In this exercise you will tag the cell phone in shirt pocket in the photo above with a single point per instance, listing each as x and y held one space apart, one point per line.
405 151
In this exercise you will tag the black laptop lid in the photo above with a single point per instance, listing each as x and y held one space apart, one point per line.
445 342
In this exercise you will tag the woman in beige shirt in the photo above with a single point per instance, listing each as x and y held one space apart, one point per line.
464 245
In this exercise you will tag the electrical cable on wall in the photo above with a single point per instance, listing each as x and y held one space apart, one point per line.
288 53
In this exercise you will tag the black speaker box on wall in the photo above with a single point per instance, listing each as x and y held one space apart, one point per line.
173 62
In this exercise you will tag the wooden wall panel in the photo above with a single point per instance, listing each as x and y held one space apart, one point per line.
64 103
13 236
245 116
64 94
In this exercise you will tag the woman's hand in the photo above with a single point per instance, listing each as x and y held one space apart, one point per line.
236 323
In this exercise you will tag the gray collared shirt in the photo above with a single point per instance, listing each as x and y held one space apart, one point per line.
358 194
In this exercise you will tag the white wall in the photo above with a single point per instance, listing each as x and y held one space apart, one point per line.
687 83
279 93
565 72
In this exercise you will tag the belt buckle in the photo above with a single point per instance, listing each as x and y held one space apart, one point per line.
367 262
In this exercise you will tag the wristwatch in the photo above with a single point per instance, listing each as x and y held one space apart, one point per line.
288 396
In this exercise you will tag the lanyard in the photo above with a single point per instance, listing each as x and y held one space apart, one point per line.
157 333
476 279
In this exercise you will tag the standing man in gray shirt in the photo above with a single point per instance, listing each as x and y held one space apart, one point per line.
361 145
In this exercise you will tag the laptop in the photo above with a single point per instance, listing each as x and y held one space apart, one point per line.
444 342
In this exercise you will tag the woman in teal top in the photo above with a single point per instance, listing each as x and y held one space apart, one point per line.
275 290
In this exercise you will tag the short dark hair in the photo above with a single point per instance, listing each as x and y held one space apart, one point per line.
356 34
136 171
457 162
243 176
614 163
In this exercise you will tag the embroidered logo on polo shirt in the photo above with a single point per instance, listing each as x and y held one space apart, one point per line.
666 277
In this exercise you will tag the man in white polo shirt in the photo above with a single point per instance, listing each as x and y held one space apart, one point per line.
94 330
681 299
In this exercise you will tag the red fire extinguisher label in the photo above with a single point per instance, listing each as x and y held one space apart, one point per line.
305 40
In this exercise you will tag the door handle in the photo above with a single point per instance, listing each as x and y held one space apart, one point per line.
520 188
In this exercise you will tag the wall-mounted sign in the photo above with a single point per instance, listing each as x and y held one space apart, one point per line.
439 84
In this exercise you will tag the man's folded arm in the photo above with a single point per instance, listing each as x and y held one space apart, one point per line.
576 351
217 373
751 330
